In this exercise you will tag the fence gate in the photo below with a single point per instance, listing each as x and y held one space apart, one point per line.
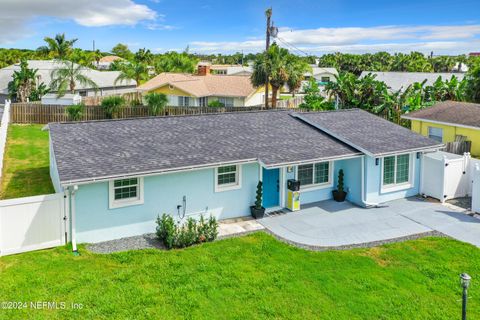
32 223
446 176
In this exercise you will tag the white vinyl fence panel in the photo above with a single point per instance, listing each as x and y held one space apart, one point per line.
31 223
3 132
476 186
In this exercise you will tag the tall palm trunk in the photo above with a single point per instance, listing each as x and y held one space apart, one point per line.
72 86
274 96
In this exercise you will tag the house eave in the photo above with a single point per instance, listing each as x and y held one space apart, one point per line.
441 122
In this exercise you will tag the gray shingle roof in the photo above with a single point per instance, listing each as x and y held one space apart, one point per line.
368 133
99 149
454 112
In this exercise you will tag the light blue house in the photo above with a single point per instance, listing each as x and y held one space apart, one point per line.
119 175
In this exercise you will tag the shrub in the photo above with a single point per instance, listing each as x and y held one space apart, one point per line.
75 112
215 104
155 103
176 235
111 105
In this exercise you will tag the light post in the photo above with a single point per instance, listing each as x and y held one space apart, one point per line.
465 282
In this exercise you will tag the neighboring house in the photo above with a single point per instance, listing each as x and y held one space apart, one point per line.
231 69
401 80
66 100
105 80
321 75
105 62
199 89
446 120
120 175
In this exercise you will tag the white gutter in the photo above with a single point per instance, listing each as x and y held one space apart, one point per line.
364 197
72 217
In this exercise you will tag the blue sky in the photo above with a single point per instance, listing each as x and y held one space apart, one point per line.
211 26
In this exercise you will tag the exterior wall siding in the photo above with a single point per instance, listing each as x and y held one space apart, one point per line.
162 193
373 176
449 133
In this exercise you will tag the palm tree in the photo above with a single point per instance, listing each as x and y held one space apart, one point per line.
156 102
132 71
175 62
23 83
296 69
275 63
58 47
66 77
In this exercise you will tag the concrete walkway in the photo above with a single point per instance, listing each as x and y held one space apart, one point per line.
333 224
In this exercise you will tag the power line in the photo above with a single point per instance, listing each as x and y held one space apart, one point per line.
293 47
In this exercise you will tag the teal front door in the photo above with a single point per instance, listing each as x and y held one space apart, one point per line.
271 187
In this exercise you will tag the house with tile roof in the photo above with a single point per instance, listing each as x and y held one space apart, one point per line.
447 121
119 175
198 90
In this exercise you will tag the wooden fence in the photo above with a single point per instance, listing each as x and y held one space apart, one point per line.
42 114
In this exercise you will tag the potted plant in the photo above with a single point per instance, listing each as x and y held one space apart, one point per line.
339 195
257 210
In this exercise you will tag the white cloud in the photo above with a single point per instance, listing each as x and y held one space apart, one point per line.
15 15
441 39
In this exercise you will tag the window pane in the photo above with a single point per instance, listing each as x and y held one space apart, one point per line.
305 174
435 134
227 178
388 170
227 169
403 165
321 172
125 188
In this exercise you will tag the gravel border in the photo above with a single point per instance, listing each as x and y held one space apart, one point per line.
149 241
145 241
358 245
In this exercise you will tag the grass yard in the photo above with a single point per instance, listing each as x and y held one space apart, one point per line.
249 277
26 163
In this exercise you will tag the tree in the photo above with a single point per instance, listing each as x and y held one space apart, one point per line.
121 50
313 99
296 69
75 112
155 102
175 62
57 47
23 82
132 71
112 105
473 84
143 56
66 77
275 63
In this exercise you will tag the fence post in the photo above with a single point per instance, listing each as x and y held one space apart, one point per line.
444 173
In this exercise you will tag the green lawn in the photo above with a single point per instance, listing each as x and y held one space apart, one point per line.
25 171
249 277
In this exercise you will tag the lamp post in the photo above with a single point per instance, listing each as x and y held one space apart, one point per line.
465 282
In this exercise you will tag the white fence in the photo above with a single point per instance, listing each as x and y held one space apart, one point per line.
3 132
32 223
476 186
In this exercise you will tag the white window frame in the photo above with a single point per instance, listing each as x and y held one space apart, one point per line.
113 204
436 128
398 186
230 186
315 186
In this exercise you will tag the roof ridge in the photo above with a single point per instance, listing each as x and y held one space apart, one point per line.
171 116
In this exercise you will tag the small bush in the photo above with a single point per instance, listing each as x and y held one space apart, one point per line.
216 104
75 112
156 102
176 235
111 105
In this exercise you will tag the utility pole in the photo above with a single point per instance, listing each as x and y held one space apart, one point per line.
268 13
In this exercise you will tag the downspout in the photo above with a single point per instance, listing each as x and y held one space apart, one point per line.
364 197
72 217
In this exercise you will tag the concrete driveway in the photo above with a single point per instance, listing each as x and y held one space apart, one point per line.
333 224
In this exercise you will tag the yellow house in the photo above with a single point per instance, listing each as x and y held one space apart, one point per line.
446 120
198 90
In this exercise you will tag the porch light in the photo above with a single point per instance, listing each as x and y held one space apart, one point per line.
418 155
377 161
